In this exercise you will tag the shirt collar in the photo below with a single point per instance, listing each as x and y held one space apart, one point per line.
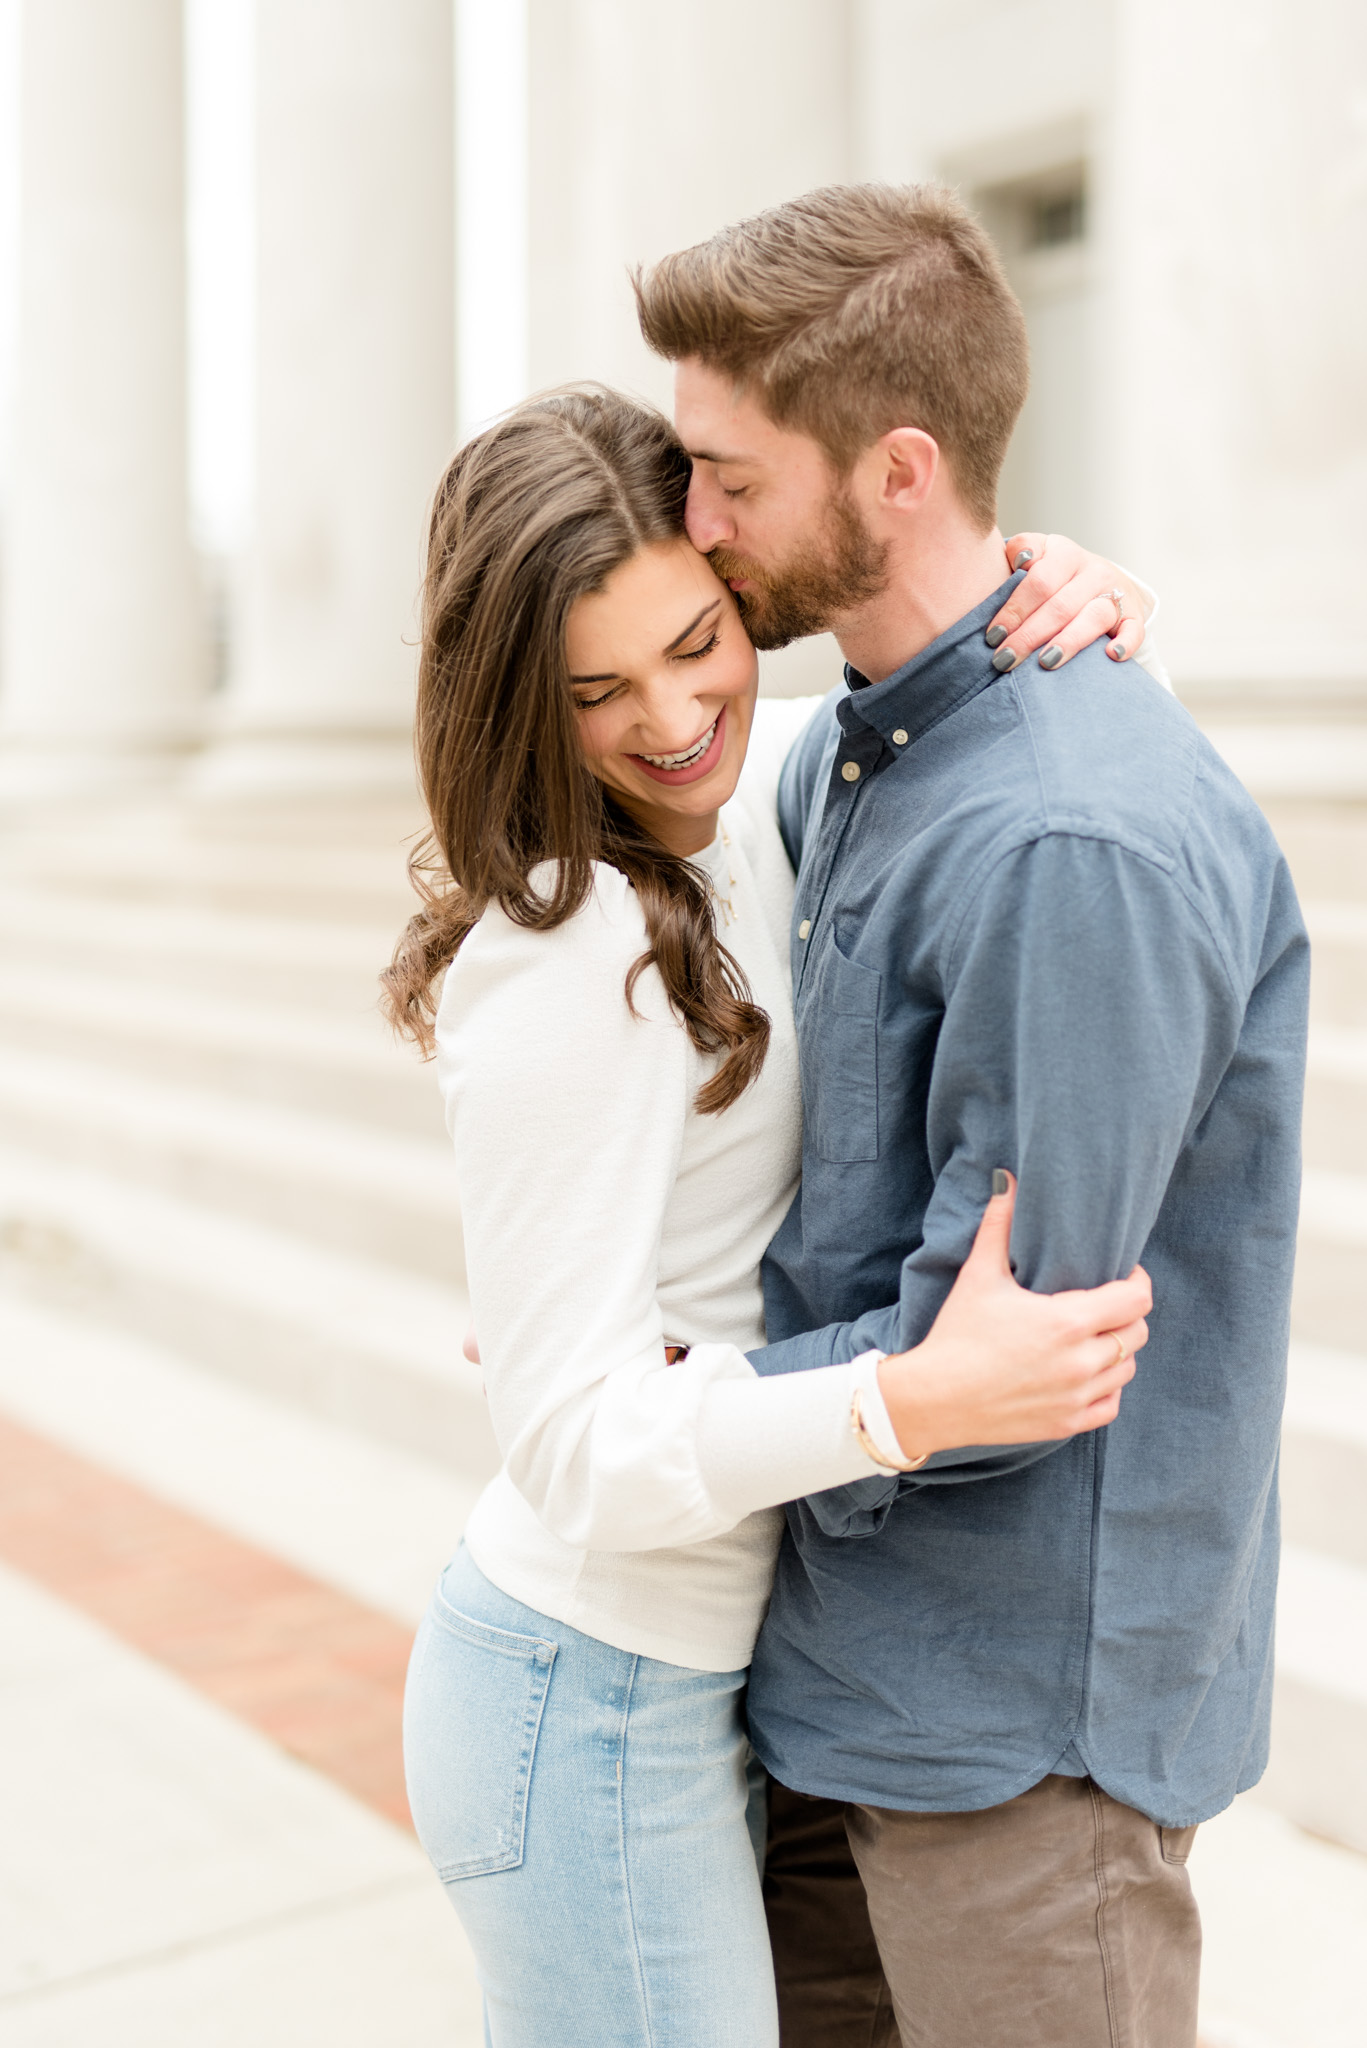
933 682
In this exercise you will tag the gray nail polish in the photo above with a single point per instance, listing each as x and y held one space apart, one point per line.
1117 650
995 635
1001 1181
1051 657
1004 661
1025 555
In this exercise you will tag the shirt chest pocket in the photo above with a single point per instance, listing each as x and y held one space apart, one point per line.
840 1060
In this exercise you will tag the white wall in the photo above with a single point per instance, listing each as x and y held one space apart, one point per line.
1225 430
945 84
1239 335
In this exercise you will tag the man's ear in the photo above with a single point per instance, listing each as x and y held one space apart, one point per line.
907 464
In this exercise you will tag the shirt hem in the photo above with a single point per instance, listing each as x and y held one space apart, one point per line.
999 1796
616 1631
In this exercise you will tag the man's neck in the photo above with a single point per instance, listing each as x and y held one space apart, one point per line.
951 572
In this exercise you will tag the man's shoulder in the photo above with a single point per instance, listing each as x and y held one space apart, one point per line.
1106 751
1099 754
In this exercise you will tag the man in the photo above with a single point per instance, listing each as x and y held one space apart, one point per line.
1039 926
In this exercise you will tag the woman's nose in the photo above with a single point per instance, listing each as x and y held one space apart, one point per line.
706 519
673 719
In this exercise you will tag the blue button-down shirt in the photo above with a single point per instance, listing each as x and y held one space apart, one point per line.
1039 925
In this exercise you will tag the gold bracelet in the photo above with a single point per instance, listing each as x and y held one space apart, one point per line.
869 1447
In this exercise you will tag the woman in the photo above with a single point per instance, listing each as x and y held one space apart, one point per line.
619 1065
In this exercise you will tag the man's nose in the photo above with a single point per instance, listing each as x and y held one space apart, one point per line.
708 523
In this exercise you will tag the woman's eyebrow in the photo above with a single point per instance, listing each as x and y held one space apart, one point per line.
692 626
678 641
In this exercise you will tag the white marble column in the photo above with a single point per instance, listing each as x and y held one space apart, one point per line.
355 391
1236 171
102 675
651 126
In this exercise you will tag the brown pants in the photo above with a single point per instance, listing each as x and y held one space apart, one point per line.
1060 1919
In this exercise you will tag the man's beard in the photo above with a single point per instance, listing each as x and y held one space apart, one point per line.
843 567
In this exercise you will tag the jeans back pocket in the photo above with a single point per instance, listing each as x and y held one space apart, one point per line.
472 1712
840 1059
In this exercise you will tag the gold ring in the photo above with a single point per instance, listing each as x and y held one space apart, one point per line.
1121 1354
1117 598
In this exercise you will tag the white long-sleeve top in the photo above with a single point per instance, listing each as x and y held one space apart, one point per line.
604 1215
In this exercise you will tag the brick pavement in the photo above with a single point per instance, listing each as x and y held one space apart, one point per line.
317 1672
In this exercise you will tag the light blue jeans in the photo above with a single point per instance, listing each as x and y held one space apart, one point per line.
597 1821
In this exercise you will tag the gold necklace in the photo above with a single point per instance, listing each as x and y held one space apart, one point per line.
730 914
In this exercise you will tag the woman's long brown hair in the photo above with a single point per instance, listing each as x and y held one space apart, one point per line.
532 514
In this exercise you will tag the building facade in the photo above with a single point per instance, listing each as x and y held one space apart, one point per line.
1180 193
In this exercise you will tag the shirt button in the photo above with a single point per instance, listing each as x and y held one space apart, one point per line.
899 738
805 928
850 771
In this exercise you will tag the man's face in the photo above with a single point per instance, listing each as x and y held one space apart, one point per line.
769 510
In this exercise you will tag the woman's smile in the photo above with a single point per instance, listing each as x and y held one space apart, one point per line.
694 762
664 680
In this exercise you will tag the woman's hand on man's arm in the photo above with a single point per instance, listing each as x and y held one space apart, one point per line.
1001 1365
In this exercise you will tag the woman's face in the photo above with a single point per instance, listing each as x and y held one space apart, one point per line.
665 679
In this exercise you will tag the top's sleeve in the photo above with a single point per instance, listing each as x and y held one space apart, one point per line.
775 731
1087 985
1146 654
567 1113
778 724
804 773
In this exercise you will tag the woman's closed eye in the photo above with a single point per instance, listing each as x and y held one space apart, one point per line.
697 653
592 703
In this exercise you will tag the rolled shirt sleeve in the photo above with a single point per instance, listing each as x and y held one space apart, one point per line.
1088 1016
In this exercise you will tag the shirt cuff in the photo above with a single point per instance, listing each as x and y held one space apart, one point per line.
765 1441
1148 597
1146 654
873 1408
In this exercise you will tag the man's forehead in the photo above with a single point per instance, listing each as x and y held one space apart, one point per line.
717 419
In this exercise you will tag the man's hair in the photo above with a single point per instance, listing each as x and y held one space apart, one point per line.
854 310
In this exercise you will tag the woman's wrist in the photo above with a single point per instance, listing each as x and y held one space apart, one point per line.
892 1398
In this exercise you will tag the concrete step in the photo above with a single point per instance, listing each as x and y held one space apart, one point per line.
1324 1453
1284 1933
1338 974
1318 1772
342 1066
1329 1305
328 969
1326 846
1292 761
338 1333
350 1188
1336 1098
324 867
372 1520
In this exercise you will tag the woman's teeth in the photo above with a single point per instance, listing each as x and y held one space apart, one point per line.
684 760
